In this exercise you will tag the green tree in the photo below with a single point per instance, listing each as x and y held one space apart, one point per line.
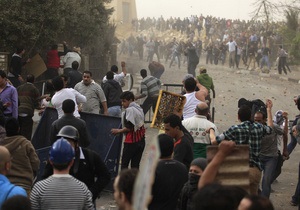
36 24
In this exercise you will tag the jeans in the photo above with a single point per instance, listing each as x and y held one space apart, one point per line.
265 60
269 166
231 59
114 111
291 146
296 196
175 54
192 67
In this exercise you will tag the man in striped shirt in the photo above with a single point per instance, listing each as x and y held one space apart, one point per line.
150 87
61 190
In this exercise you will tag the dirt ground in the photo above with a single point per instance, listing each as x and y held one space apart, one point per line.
230 85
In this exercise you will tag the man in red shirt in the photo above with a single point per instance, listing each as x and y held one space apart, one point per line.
53 62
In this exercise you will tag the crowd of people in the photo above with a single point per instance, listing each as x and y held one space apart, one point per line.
183 146
75 176
254 43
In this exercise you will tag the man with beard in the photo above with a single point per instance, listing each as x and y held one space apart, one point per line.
93 93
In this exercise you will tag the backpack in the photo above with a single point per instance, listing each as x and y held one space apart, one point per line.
255 106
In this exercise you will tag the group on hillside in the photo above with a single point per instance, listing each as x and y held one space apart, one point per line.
221 40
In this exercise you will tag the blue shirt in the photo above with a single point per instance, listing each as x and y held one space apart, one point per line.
9 190
10 94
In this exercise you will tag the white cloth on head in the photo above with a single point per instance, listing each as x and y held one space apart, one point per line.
135 115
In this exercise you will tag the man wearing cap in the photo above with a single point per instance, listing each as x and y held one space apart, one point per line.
206 81
191 186
170 176
61 190
88 166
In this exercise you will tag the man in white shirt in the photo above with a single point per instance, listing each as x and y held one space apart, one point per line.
63 94
69 58
118 77
231 48
197 126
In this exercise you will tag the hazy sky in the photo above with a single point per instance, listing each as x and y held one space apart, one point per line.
231 9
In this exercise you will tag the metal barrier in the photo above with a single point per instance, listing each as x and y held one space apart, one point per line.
108 146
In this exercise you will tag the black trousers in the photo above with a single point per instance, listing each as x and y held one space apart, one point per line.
132 153
149 101
26 124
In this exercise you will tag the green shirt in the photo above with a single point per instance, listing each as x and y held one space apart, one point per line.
206 81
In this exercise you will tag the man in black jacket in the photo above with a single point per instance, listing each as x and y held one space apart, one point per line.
88 166
68 106
112 90
74 76
15 67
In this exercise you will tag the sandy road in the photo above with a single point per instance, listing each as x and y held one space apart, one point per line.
230 85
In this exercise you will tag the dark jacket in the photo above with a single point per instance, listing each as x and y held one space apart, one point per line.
187 192
89 168
112 91
16 65
74 77
69 119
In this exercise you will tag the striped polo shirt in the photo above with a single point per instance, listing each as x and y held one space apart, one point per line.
150 86
61 191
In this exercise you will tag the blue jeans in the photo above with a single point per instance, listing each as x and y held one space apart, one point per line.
265 60
291 146
296 196
269 166
114 111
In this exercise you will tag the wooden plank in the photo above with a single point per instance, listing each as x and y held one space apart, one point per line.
234 171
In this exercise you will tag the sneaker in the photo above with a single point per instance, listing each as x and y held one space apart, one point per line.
293 203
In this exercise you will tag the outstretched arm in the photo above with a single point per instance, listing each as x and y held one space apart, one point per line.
202 93
269 105
123 65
